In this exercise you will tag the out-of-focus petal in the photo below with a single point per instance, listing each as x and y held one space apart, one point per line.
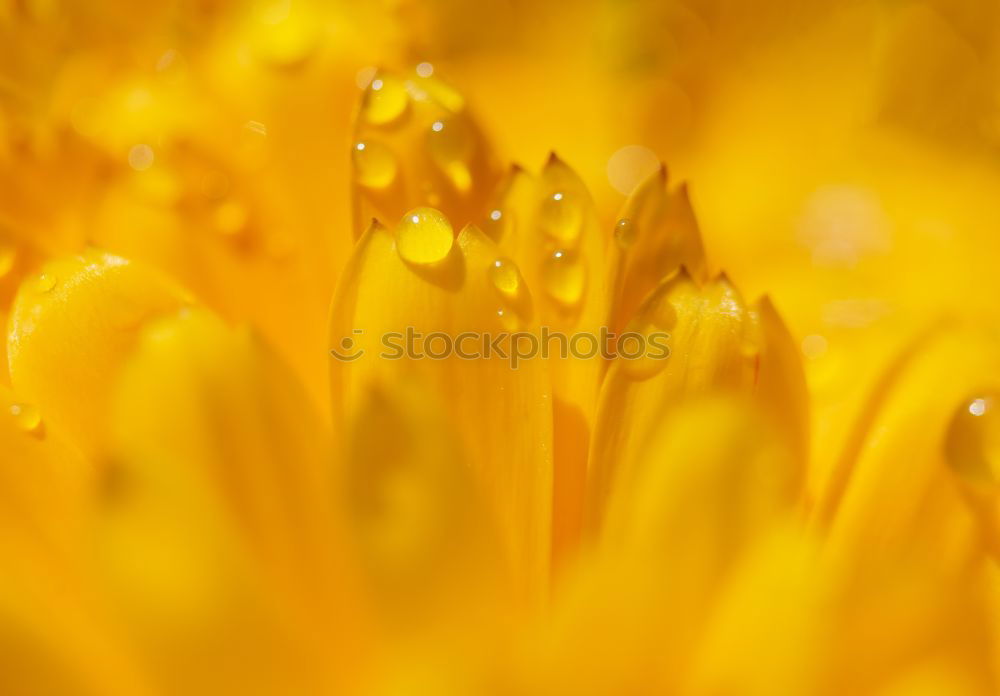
500 415
712 483
216 531
892 487
416 143
53 636
82 314
432 558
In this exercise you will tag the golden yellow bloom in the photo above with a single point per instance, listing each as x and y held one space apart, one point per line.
326 374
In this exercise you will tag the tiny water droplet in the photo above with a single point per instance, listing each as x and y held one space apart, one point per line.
46 282
625 233
425 69
385 101
506 277
424 236
8 257
564 278
972 445
561 218
374 165
450 144
27 417
509 319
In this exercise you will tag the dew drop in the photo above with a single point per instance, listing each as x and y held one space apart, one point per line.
506 277
561 218
450 144
564 278
28 418
972 445
8 257
647 350
46 282
424 236
509 319
425 69
374 165
385 101
625 233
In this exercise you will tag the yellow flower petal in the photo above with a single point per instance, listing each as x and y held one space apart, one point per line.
54 636
656 233
549 227
82 313
432 556
501 416
893 472
216 527
714 347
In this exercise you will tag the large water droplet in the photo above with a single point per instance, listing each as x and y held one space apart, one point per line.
561 218
564 278
972 445
450 144
28 418
625 233
644 346
386 100
374 165
424 236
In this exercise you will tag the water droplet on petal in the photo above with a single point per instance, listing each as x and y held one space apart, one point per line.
564 278
450 144
561 218
374 165
425 69
972 445
506 277
424 236
27 417
386 100
46 282
8 256
644 346
625 233
509 319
